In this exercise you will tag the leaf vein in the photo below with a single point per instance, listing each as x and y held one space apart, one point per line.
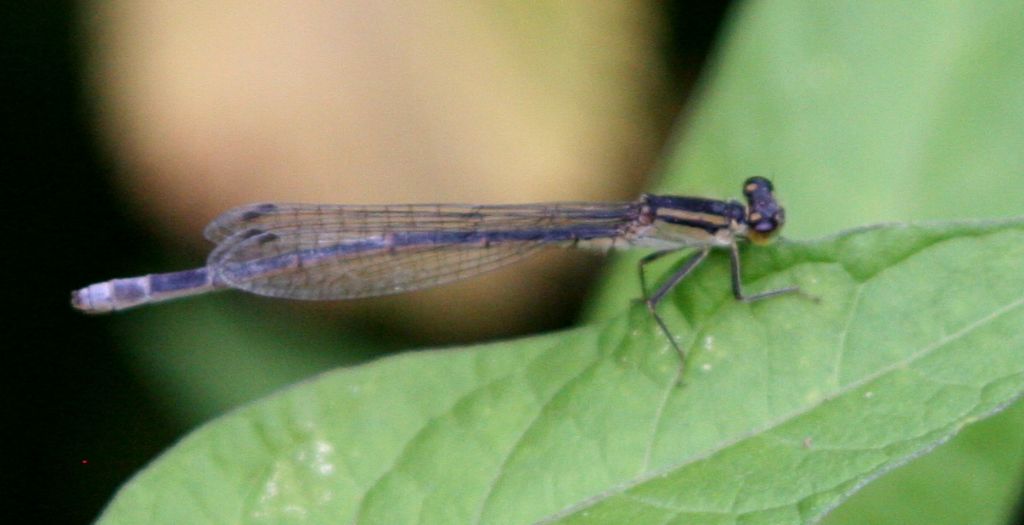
778 422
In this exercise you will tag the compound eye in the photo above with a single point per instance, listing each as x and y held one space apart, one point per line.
755 185
765 216
765 226
762 231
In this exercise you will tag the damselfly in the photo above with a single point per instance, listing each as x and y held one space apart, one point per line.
324 252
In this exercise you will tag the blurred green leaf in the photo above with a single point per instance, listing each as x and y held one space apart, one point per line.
973 479
207 356
865 112
786 407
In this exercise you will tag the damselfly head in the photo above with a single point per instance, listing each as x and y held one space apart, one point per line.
765 216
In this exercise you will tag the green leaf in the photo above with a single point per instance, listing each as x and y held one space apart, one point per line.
865 112
786 406
951 485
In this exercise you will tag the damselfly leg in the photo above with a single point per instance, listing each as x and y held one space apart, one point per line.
737 281
652 301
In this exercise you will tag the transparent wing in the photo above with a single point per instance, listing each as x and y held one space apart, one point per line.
342 252
356 221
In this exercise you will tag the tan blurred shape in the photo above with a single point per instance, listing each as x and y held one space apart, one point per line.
208 105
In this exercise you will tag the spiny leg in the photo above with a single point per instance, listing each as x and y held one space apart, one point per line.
737 281
665 288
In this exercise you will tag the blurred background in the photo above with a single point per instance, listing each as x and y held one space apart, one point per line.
133 124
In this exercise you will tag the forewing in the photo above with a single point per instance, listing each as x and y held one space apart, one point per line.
343 252
354 221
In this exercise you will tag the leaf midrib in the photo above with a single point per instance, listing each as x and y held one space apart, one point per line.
778 422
